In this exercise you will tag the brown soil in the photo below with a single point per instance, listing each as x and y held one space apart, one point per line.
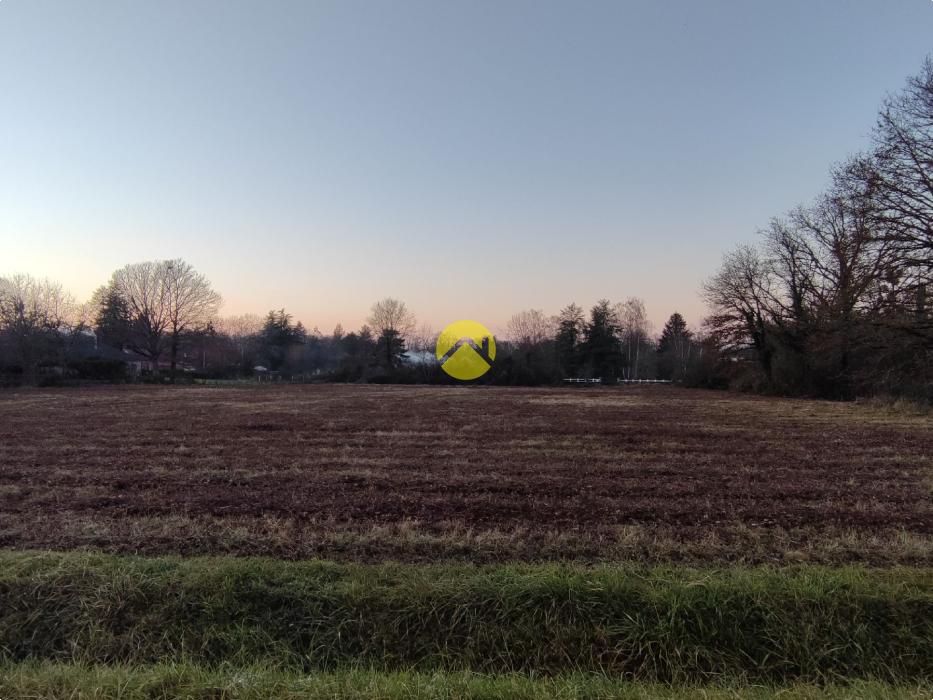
97 467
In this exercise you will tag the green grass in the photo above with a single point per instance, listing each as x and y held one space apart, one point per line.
761 625
76 682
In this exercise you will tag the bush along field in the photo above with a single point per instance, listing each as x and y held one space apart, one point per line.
649 543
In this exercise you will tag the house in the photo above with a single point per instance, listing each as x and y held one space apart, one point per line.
86 347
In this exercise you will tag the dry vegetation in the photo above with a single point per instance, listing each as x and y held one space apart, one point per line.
486 474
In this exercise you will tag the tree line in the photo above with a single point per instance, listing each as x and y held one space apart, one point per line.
164 316
831 300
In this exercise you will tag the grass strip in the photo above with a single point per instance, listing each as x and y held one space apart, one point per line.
54 681
416 542
762 625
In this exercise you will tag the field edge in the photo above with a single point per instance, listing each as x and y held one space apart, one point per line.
57 681
669 624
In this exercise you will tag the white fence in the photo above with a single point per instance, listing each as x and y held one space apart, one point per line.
598 380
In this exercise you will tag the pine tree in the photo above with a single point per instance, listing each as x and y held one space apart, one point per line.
602 348
390 349
278 336
113 324
570 332
674 348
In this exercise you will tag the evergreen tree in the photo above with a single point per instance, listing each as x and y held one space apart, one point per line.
602 348
571 327
113 324
279 336
390 349
358 352
674 348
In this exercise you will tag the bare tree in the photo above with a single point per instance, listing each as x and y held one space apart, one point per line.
242 330
393 316
635 331
165 298
829 260
38 317
815 280
422 343
192 303
900 173
835 300
142 288
530 328
739 295
423 339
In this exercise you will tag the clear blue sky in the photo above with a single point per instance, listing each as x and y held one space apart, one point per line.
470 158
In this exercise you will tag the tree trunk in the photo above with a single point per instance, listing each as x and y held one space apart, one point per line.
174 357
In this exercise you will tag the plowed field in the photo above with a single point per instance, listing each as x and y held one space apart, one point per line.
418 473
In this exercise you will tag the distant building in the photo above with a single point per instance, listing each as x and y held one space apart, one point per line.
86 347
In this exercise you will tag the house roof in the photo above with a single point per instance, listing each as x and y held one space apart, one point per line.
105 352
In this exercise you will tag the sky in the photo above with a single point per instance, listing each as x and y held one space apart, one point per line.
471 158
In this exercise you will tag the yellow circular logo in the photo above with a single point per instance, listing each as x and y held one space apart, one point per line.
465 349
